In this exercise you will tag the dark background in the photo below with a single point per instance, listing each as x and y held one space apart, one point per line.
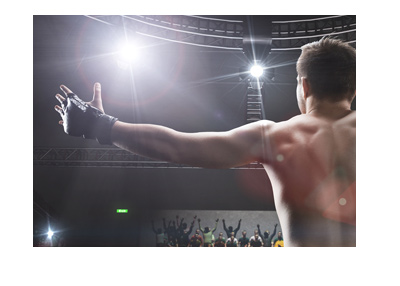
183 87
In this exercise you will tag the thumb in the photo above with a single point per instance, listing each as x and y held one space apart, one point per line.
97 102
97 92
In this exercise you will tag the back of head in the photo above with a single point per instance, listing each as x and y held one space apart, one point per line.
330 68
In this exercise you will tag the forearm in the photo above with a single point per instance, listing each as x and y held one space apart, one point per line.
273 234
238 227
152 141
215 227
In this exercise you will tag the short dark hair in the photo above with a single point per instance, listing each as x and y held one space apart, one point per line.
330 68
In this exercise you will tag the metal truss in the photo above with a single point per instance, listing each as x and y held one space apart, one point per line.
255 109
291 35
103 157
228 34
191 30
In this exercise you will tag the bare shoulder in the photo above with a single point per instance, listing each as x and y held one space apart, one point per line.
308 122
288 126
349 119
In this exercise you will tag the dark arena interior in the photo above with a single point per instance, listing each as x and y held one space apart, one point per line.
189 73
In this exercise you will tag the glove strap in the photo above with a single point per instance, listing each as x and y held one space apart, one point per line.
103 129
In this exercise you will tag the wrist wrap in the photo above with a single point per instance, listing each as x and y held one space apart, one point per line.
82 120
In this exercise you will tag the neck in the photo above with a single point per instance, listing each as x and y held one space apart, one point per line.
327 108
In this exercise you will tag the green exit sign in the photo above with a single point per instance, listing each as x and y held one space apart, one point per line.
122 210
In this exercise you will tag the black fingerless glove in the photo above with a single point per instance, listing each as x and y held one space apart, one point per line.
82 120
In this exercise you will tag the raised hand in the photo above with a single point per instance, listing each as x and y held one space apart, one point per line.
85 119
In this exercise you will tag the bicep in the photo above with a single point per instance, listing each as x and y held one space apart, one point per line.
237 147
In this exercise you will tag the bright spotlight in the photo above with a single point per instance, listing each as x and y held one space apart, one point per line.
50 233
128 52
256 71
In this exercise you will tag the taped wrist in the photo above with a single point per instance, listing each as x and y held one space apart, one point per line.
82 120
103 128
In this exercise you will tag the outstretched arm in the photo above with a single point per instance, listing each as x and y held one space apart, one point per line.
202 230
239 146
191 226
273 234
190 229
226 230
238 227
260 235
216 224
236 147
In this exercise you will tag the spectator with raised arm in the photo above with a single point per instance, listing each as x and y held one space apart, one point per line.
208 234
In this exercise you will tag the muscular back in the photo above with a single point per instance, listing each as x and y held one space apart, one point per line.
311 164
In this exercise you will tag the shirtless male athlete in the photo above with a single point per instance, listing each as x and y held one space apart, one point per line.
310 158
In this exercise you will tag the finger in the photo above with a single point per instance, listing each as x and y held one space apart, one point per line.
59 110
65 89
60 98
61 122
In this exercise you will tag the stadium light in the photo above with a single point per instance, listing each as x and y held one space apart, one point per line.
50 233
256 71
128 52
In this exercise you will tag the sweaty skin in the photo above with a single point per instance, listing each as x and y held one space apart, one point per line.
310 160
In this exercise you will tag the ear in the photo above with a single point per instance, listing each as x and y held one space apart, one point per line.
306 87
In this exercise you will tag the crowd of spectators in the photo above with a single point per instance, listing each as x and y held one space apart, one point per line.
178 234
